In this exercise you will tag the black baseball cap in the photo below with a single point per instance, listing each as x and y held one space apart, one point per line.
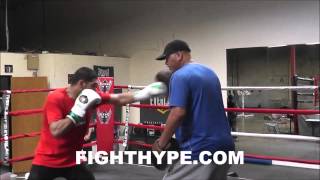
172 47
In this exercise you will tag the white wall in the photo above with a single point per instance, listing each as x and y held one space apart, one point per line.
58 66
212 27
19 63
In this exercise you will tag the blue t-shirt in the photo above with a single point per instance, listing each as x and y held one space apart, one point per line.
205 126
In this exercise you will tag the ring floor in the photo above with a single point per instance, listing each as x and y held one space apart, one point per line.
245 172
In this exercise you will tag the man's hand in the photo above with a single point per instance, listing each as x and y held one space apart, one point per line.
156 146
172 145
86 98
164 76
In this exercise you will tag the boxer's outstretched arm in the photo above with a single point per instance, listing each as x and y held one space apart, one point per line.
153 89
122 98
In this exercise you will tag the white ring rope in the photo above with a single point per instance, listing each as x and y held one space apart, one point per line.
243 88
5 124
293 88
305 79
278 136
126 127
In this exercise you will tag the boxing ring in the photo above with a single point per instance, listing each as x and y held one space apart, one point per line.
300 161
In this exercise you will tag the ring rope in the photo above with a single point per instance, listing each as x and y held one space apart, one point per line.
26 91
275 111
120 141
305 79
251 110
141 126
6 100
149 106
32 134
246 155
274 136
287 111
25 112
90 144
18 136
126 127
277 136
282 159
317 162
295 88
25 158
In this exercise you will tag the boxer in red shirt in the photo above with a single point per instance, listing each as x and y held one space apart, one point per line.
66 118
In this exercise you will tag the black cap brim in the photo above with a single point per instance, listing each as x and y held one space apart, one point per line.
161 57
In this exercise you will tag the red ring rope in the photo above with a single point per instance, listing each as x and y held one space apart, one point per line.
149 106
149 146
127 87
18 136
121 87
141 126
32 134
25 158
22 158
134 143
25 112
282 159
90 144
26 91
275 111
251 110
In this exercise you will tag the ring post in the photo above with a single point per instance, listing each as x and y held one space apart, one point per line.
105 117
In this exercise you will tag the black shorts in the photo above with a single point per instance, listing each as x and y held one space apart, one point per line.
70 173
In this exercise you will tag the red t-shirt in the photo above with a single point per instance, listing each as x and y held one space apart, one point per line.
61 151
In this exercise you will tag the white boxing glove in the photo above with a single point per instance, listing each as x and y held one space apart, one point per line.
86 98
153 89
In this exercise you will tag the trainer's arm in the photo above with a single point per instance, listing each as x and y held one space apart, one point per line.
174 119
60 127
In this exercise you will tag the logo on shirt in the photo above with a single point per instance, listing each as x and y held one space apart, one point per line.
83 99
104 116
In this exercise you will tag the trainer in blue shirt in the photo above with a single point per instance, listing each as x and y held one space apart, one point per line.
197 115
